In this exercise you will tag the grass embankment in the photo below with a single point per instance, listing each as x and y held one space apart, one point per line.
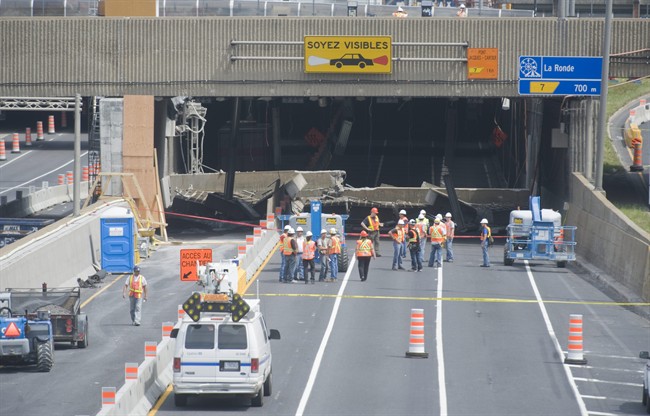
618 95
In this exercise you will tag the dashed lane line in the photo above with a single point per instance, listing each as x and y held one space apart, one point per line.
618 383
455 299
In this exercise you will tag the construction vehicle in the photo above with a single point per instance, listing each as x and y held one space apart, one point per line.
316 221
538 234
63 306
26 341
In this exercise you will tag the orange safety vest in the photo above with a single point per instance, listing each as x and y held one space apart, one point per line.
364 248
287 249
373 225
422 228
436 234
336 245
451 228
308 250
135 287
398 235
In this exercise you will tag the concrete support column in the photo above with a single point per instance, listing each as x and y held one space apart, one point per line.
277 151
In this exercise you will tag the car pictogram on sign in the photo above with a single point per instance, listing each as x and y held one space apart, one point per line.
351 59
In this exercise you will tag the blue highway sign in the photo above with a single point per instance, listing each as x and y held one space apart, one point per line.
560 75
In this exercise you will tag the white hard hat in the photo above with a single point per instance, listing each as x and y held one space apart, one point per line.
448 215
332 231
402 212
286 227
323 231
484 221
423 212
421 216
439 216
399 9
462 6
309 234
412 222
400 222
291 231
299 229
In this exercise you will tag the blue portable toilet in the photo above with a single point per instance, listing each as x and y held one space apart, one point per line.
117 236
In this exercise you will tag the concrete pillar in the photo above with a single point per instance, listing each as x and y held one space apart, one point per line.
590 139
533 137
111 130
277 151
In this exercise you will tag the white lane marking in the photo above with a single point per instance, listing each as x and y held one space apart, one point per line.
618 357
442 385
618 383
15 159
321 349
615 399
602 414
551 333
39 177
584 396
589 367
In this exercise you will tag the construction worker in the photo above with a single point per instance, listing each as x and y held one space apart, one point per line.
323 246
403 217
335 251
450 227
299 274
282 259
462 11
397 234
365 252
308 255
486 236
438 234
136 285
414 247
289 249
400 13
371 225
422 224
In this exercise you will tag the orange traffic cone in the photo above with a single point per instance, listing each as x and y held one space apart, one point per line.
61 179
28 136
50 125
70 176
416 336
575 355
3 154
637 160
84 174
39 130
15 143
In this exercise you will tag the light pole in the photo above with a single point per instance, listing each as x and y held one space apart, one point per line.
602 111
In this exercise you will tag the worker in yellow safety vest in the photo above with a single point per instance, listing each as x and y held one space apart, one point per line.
486 240
289 249
438 233
364 253
335 252
136 287
371 225
308 255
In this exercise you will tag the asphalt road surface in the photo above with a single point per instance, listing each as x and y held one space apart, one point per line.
43 161
496 340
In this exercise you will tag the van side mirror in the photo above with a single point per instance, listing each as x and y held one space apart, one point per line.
174 333
644 354
274 334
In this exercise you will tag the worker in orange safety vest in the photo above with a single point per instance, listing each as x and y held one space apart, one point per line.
335 252
289 250
397 234
308 255
364 253
438 234
136 287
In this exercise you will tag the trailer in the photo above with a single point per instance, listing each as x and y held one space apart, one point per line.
538 234
69 324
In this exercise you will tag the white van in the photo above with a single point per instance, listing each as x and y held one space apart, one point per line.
217 355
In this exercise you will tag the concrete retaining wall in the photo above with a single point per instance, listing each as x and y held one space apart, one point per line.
609 239
57 254
41 199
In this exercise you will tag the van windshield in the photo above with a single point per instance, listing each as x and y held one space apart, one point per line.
200 337
232 337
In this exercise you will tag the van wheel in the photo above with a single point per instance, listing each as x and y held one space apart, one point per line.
180 400
268 385
644 399
257 401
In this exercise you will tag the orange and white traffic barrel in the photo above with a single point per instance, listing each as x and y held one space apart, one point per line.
15 143
84 174
416 335
50 125
28 136
61 179
39 131
3 153
637 158
69 176
575 353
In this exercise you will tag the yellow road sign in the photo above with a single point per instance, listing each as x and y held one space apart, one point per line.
482 63
348 54
543 87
